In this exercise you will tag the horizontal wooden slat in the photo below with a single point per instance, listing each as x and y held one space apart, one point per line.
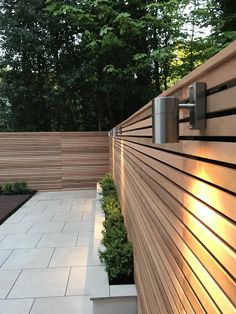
54 160
84 158
179 202
136 200
221 126
224 202
218 102
139 125
187 222
178 183
216 151
212 173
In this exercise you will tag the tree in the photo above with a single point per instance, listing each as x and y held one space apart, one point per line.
87 65
41 61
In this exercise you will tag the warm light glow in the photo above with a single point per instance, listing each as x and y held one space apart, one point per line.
208 282
113 158
122 174
218 224
208 216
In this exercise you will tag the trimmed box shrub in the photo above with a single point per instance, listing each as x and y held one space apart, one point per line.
118 253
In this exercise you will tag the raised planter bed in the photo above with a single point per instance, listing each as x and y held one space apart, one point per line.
10 203
122 298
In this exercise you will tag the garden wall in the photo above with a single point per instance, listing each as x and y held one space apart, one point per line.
54 160
179 200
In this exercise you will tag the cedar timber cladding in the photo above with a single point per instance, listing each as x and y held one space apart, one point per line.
179 200
85 158
54 160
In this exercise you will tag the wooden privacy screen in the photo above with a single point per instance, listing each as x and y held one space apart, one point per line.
179 200
54 160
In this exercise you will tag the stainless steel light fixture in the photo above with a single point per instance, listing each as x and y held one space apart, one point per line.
113 132
165 124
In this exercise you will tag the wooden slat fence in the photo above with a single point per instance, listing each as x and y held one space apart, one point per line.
179 200
54 160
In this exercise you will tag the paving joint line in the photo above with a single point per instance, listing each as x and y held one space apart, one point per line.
6 259
34 299
13 284
68 279
54 249
39 241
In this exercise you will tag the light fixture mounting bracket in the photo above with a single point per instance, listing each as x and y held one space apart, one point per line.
196 106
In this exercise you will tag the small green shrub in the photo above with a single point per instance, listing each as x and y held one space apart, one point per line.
109 192
118 258
20 187
7 188
118 253
14 188
110 203
107 185
111 235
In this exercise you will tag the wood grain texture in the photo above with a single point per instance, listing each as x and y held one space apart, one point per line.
54 160
179 202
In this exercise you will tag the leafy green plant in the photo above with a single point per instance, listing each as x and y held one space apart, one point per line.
112 235
107 185
7 188
118 253
118 258
20 187
110 203
14 188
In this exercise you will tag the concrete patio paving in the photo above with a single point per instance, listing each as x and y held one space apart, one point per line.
48 256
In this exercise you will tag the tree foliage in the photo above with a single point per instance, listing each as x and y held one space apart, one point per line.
87 65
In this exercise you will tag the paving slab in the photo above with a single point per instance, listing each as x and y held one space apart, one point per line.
46 227
82 281
4 254
67 257
58 217
43 217
16 306
88 216
7 228
7 280
48 261
78 208
63 208
32 209
68 239
51 203
66 305
45 196
78 226
46 282
20 241
85 238
15 218
28 258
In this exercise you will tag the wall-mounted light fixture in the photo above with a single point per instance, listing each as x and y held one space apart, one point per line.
113 132
165 124
119 130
